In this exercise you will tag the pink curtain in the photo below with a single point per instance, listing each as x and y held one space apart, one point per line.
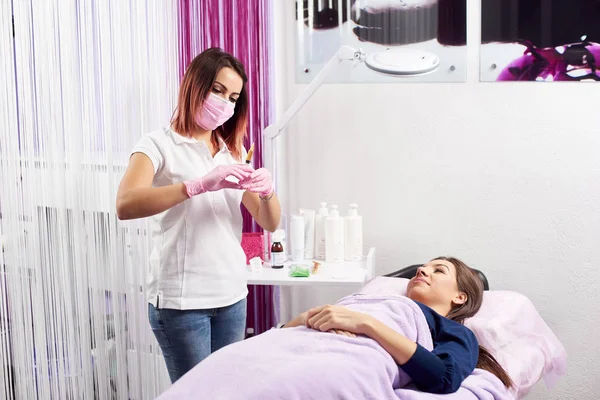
244 29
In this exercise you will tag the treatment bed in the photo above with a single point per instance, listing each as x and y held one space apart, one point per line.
507 325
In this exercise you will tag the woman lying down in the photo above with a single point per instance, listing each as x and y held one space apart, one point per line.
364 347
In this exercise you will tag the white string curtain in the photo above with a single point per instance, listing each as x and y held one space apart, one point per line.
82 81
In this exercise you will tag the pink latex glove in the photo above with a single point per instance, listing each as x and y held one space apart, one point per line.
259 182
217 179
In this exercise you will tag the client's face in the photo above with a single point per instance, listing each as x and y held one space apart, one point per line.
435 285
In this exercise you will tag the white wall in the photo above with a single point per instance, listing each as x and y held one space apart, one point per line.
502 175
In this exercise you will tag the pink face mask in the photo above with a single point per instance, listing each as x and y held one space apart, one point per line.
215 112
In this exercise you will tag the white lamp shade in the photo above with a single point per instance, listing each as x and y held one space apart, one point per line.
403 62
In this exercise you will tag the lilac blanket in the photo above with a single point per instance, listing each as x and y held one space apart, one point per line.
480 385
301 363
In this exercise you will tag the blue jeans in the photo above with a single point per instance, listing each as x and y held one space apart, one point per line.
186 337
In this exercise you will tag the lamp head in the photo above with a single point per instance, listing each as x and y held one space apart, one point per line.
403 62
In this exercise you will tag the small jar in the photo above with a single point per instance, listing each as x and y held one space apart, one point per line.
277 253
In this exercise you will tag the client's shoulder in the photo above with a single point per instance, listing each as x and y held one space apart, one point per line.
442 326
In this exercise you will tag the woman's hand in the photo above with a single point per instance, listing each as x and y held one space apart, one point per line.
340 319
336 318
345 333
217 179
302 320
260 181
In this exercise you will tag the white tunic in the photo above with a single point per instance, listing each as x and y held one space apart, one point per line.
197 260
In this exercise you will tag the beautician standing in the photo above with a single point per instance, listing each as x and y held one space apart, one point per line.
190 178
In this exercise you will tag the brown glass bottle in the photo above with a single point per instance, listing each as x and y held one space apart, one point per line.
277 255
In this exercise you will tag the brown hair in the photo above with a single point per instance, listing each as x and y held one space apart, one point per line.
469 283
195 87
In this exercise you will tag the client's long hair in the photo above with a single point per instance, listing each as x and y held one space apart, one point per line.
470 283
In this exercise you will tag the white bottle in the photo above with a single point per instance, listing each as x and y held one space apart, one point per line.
334 236
309 233
322 214
353 235
297 237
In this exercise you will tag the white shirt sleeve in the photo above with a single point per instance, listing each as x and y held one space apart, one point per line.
148 147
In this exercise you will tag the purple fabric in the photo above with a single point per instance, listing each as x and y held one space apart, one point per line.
301 363
242 28
480 385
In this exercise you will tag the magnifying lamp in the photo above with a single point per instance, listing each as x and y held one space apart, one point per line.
403 62
399 62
